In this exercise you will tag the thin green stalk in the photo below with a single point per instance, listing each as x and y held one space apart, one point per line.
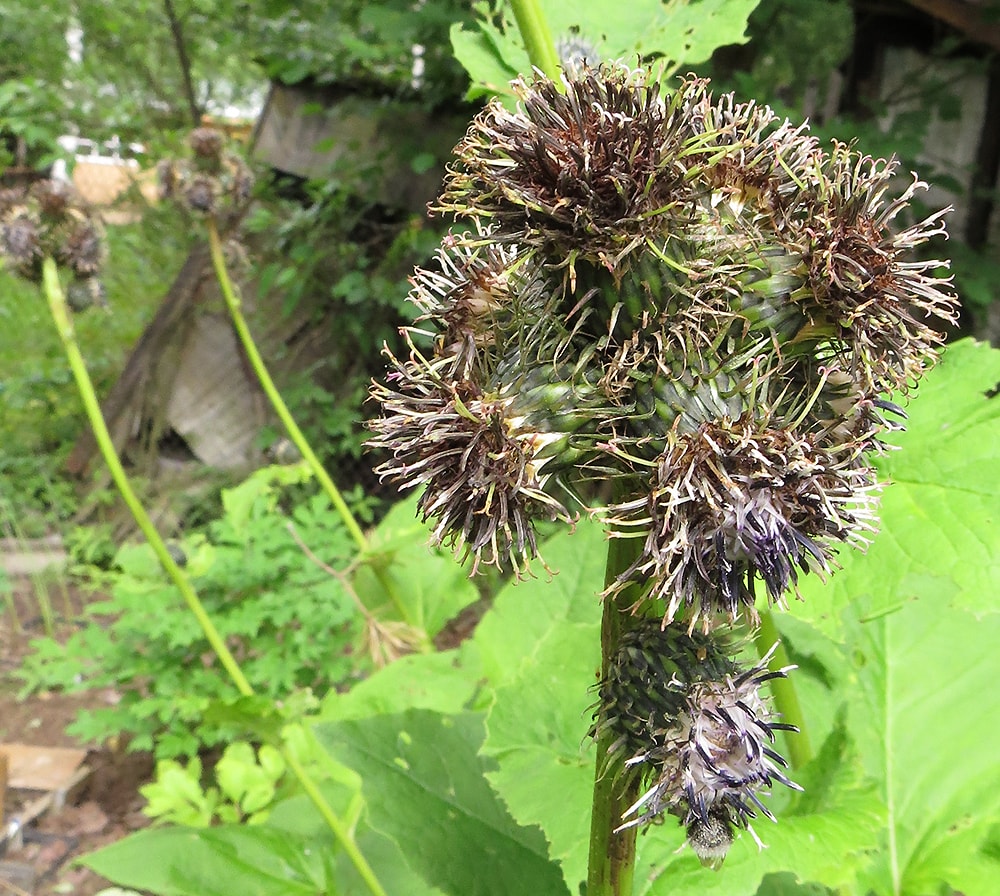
291 427
64 325
537 37
786 700
612 856
274 396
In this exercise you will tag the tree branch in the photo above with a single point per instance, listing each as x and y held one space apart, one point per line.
184 61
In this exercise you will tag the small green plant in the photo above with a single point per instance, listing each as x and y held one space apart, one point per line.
291 622
247 784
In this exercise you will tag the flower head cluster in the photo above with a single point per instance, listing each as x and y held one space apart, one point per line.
50 220
211 180
695 727
674 310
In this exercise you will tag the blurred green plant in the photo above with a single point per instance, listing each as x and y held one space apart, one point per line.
283 584
247 784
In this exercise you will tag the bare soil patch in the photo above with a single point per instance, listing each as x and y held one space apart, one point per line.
106 805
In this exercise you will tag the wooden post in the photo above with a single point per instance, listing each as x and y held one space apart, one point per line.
3 787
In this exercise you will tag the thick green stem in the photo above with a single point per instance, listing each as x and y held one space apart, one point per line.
612 856
536 36
291 427
786 700
64 325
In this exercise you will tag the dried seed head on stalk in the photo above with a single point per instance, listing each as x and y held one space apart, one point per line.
483 466
735 501
694 725
678 295
50 219
210 182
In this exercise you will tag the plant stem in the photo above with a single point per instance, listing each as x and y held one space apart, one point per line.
274 396
612 856
786 700
64 325
537 37
292 428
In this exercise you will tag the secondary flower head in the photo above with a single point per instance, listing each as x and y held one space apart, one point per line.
696 728
50 219
685 314
211 181
736 501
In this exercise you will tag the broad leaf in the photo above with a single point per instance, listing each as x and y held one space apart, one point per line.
428 586
424 788
251 861
538 733
525 612
447 682
682 32
921 716
940 513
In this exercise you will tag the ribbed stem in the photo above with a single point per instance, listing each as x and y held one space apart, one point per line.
612 856
786 699
291 427
536 36
64 326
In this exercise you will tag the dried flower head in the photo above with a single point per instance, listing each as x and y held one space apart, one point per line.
20 241
211 182
50 220
201 194
735 501
696 728
688 300
578 169
83 250
54 197
862 276
486 468
207 143
85 292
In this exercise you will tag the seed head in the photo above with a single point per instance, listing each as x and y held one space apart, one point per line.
201 194
207 144
20 241
696 728
483 465
682 297
54 197
83 250
734 502
85 292
211 181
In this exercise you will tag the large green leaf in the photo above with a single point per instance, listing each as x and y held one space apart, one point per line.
251 861
684 32
922 716
537 733
524 613
424 788
940 513
447 682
